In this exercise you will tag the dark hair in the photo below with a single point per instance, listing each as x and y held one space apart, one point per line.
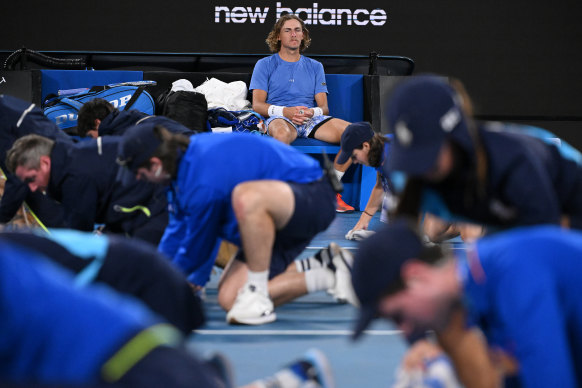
376 149
431 255
170 150
96 109
273 38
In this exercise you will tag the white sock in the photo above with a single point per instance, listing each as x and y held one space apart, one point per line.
308 264
339 174
319 279
321 259
259 279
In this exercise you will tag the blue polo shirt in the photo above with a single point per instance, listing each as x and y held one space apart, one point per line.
289 83
522 288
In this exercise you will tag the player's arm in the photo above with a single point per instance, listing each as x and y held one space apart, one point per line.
374 203
321 101
469 353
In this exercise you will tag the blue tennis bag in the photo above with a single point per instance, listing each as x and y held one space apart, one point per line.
63 109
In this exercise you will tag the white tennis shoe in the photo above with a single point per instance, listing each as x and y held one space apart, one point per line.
251 307
341 264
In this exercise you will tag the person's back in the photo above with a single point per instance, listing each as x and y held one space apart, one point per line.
127 266
230 157
117 122
528 182
45 323
19 118
83 177
523 286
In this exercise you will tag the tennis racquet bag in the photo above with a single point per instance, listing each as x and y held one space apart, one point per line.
64 108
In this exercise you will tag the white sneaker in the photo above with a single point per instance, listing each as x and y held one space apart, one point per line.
342 262
251 307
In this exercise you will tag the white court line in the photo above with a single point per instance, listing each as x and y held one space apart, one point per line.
294 332
353 248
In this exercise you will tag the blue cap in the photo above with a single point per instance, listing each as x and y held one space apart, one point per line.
354 135
422 113
377 266
136 147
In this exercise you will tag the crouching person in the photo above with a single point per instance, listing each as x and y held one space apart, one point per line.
255 192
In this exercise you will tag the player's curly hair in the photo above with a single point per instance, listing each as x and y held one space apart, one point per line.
273 38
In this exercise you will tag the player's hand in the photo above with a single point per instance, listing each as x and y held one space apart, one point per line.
301 115
362 224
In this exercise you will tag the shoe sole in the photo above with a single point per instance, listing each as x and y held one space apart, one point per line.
252 321
344 211
321 363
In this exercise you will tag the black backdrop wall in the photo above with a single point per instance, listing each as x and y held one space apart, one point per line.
520 60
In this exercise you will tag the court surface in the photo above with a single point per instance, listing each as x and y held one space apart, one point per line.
313 321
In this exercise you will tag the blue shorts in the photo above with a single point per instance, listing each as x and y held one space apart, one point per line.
305 130
315 205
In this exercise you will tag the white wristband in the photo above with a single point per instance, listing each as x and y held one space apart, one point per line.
275 110
317 111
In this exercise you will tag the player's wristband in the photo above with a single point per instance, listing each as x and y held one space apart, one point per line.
275 110
317 111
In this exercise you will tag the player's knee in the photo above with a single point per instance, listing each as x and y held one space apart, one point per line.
245 200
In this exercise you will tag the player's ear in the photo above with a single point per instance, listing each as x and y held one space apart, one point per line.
45 162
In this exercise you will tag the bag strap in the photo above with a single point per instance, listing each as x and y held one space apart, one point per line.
135 96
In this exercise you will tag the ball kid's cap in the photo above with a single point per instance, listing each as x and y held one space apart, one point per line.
422 113
136 147
354 135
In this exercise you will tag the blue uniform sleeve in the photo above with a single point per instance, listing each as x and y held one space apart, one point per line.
534 324
260 76
173 235
192 236
320 84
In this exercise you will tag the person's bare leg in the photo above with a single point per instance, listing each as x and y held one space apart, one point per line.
283 131
261 208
